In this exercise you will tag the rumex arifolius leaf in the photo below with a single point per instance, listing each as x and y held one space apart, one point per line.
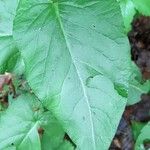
18 125
77 62
7 13
9 54
21 123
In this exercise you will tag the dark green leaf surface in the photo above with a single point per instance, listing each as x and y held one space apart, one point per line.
8 54
136 129
143 6
128 11
53 137
77 62
143 137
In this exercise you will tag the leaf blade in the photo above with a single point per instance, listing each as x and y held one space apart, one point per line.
68 56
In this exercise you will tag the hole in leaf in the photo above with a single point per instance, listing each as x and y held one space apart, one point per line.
67 138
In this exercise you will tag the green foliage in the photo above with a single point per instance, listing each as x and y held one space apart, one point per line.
137 87
143 6
136 129
128 12
77 64
19 124
9 54
143 137
129 8
75 56
7 14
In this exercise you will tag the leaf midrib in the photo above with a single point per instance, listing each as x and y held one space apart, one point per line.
137 88
28 133
80 79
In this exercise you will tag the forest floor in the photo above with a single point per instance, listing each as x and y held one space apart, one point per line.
139 38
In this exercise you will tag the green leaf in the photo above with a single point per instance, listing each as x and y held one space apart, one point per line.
18 125
7 13
143 6
136 86
10 58
10 148
78 63
65 146
136 129
143 137
31 140
128 11
129 8
9 55
8 51
53 137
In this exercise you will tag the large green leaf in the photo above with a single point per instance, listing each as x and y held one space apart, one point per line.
77 63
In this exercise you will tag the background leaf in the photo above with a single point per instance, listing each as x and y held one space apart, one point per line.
143 137
136 128
128 11
143 6
9 54
10 59
18 125
137 87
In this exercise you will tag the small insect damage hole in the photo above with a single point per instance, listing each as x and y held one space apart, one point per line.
40 132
